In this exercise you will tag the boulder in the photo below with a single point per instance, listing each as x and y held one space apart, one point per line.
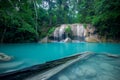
92 39
106 67
87 72
45 40
67 40
78 33
4 57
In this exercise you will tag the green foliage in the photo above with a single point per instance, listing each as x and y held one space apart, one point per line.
19 22
51 30
43 34
106 18
26 28
68 29
85 25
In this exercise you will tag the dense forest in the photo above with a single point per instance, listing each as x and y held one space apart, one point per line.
31 20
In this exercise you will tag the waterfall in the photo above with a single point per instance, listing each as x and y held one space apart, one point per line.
78 32
61 32
56 34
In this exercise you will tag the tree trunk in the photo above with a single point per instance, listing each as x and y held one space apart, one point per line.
36 17
3 35
12 4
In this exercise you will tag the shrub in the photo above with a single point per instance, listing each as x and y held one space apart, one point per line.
51 30
68 29
85 25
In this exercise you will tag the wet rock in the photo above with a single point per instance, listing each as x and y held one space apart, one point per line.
71 76
106 77
67 40
107 67
92 39
63 77
88 72
78 33
79 72
56 34
4 57
113 55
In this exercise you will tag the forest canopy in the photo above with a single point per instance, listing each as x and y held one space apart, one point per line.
29 20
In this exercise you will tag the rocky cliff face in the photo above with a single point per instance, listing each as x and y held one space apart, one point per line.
79 32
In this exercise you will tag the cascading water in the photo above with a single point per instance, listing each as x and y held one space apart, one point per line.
82 31
61 32
56 34
78 32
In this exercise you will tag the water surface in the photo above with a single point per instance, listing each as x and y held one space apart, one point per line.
30 54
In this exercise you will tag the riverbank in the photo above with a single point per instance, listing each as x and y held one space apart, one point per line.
103 39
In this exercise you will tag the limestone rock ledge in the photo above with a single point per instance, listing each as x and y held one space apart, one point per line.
92 39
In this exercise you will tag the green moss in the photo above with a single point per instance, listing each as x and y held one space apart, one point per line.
85 25
51 30
68 29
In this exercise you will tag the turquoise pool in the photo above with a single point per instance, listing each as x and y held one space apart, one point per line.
30 54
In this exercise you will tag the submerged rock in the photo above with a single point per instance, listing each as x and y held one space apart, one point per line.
96 67
112 55
106 77
107 67
10 65
4 57
88 71
79 72
63 77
